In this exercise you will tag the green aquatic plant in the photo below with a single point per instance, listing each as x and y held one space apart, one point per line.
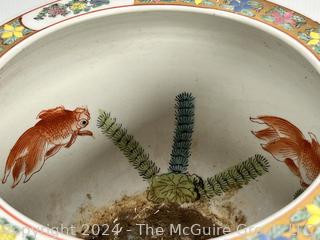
130 147
178 185
183 133
236 176
173 187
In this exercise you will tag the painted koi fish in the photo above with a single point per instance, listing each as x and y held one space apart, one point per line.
286 143
57 128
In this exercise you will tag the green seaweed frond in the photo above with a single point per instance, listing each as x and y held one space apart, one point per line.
298 193
236 176
184 111
127 145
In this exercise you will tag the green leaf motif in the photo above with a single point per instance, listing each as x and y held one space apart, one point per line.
317 201
259 236
316 234
299 19
247 12
300 216
317 48
3 221
256 5
227 7
16 23
151 1
294 236
15 228
305 231
30 238
268 18
9 41
208 3
304 36
282 11
26 31
172 188
287 26
278 231
204 2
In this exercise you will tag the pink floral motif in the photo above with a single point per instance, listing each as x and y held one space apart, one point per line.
56 10
283 19
74 6
52 11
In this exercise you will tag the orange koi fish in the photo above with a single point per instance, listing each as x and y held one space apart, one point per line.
57 128
287 144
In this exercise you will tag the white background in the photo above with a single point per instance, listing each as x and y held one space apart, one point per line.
12 8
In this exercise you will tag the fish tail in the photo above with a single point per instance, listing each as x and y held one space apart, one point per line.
26 156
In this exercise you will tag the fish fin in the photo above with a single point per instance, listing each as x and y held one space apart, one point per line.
6 175
315 147
19 151
18 171
292 166
314 143
268 134
52 151
50 112
283 149
26 156
279 126
35 159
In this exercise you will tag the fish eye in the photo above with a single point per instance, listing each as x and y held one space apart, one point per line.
83 122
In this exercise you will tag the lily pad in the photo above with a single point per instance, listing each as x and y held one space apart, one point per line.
172 188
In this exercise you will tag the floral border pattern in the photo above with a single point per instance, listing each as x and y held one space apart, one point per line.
312 38
199 3
9 231
12 33
246 7
289 20
302 224
74 6
301 28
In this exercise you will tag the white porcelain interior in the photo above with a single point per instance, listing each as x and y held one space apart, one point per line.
133 65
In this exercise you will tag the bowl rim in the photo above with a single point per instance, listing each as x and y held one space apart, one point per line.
278 218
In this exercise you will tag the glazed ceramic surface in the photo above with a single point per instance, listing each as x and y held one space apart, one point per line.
132 61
